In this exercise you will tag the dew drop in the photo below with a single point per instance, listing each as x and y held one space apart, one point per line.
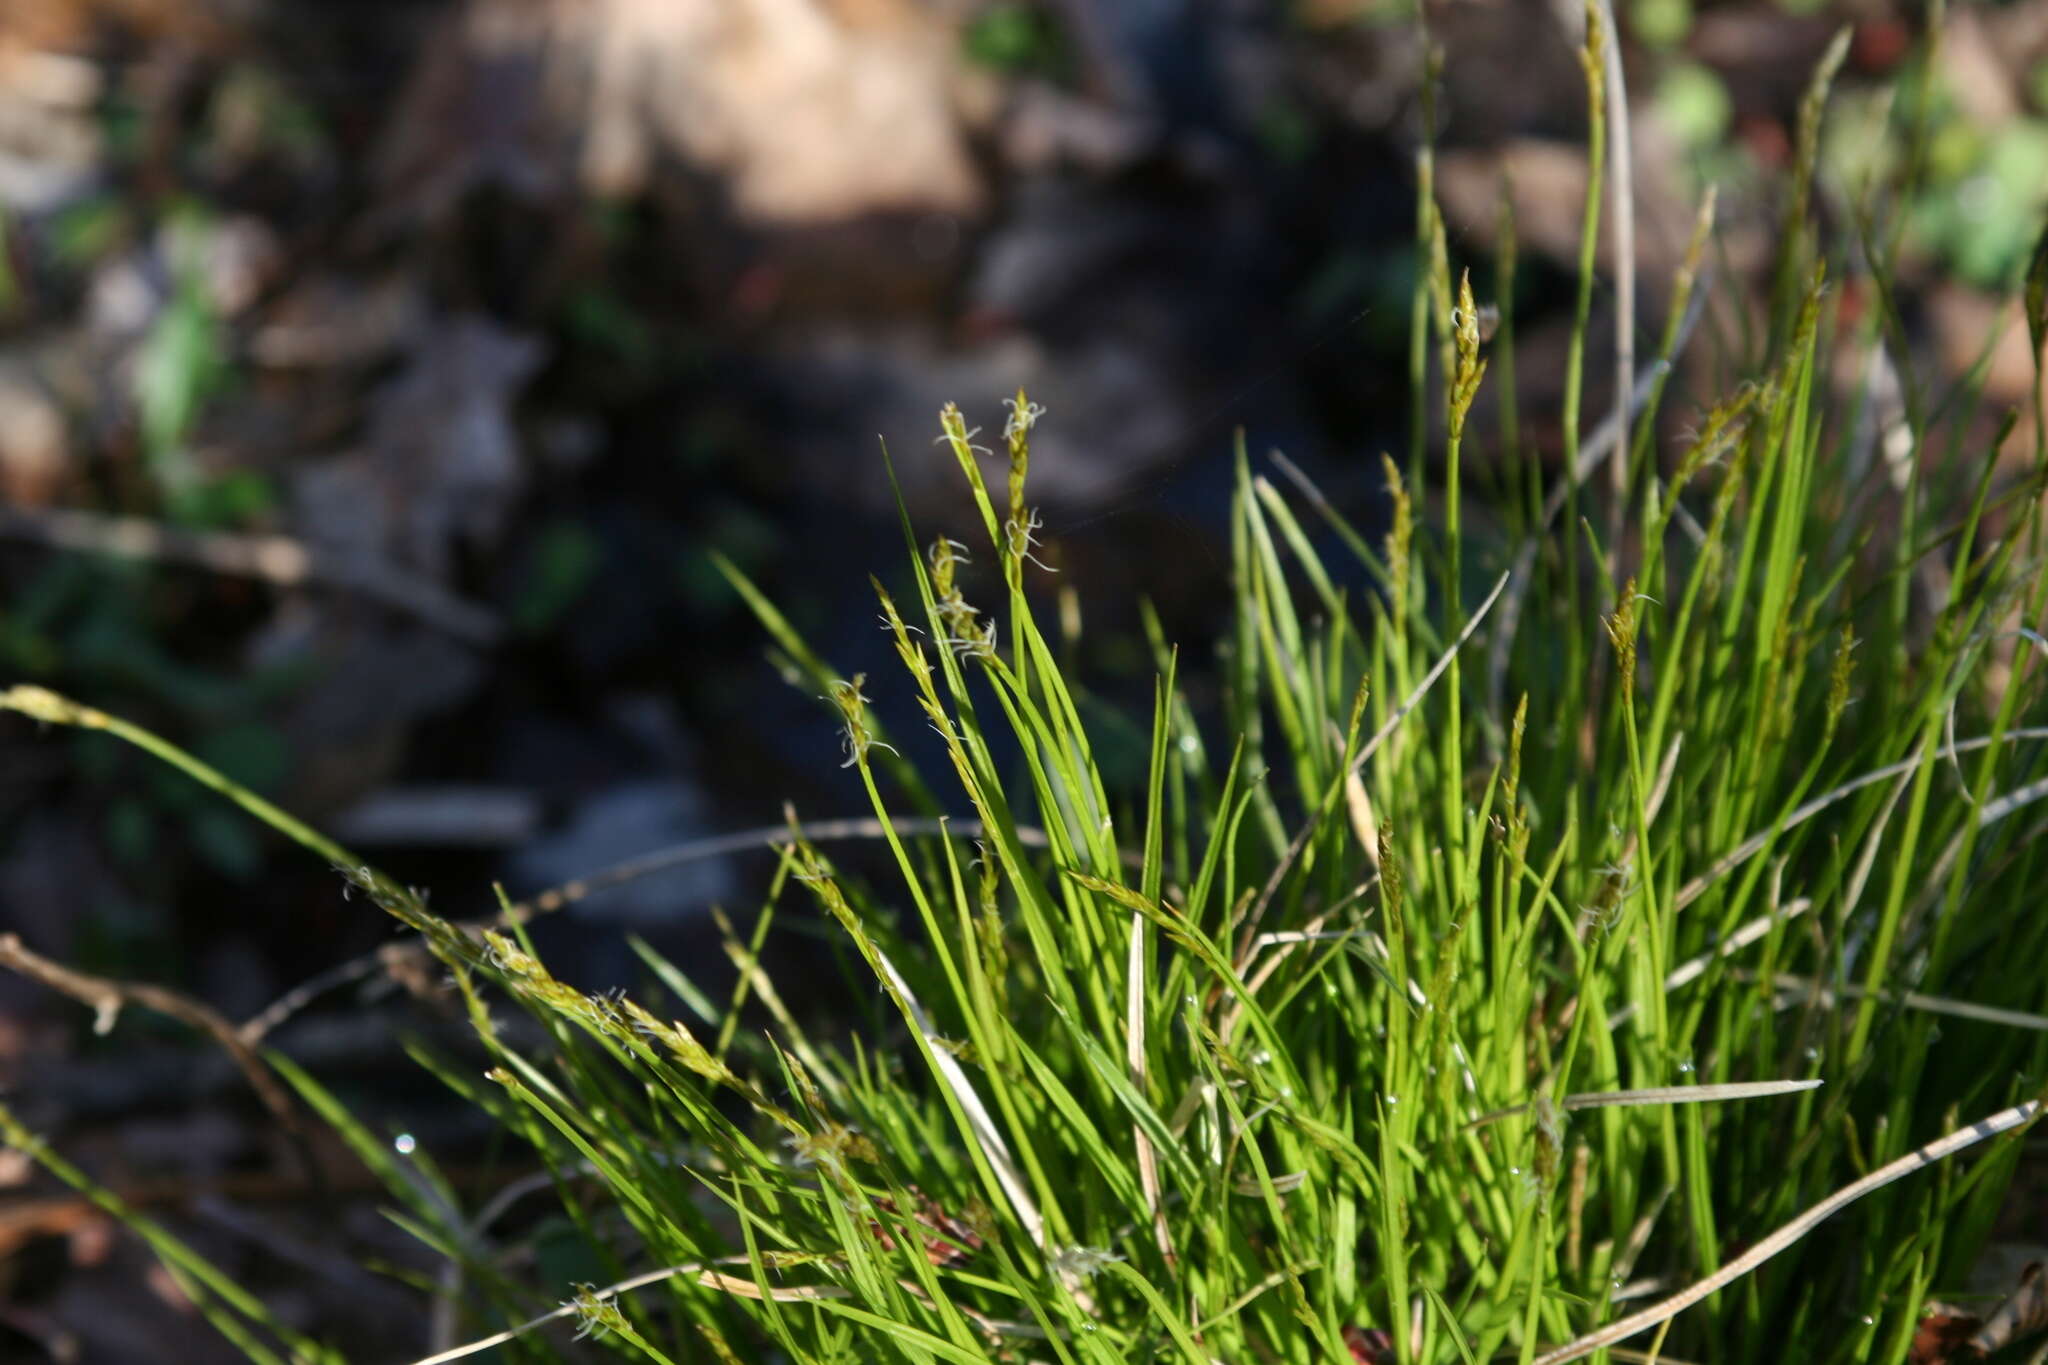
404 1144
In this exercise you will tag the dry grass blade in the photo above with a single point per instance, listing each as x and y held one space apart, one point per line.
701 1271
1663 1094
1751 846
1381 736
604 1295
703 1274
2012 801
1686 1094
1920 1159
1802 990
1693 968
986 1135
254 1030
1436 670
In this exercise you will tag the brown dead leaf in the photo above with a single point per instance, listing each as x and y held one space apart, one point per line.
1369 1345
1943 1336
950 1241
23 1221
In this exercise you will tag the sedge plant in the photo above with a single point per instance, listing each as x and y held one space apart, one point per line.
1470 979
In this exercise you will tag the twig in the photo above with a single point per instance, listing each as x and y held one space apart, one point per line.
618 874
1938 1150
108 997
747 840
700 1270
256 1029
279 560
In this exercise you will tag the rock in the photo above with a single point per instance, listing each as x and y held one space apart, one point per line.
808 111
370 679
1549 182
51 147
442 466
35 452
1964 321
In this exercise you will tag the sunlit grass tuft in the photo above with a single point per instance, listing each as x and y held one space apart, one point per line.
1487 956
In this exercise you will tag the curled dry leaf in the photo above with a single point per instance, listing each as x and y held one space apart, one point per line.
2024 1312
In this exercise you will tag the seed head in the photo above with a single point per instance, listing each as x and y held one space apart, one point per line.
1467 324
859 736
1621 633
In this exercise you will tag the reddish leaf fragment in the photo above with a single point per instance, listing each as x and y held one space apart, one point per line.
1369 1346
1943 1337
953 1241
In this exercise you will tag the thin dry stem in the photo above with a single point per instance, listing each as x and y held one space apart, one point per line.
108 997
1918 1160
280 561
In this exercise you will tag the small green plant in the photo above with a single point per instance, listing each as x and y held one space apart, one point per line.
1383 1019
1017 38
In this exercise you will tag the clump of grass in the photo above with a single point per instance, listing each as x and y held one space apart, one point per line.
1381 1020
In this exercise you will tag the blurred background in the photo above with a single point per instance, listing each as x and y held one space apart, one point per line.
378 379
